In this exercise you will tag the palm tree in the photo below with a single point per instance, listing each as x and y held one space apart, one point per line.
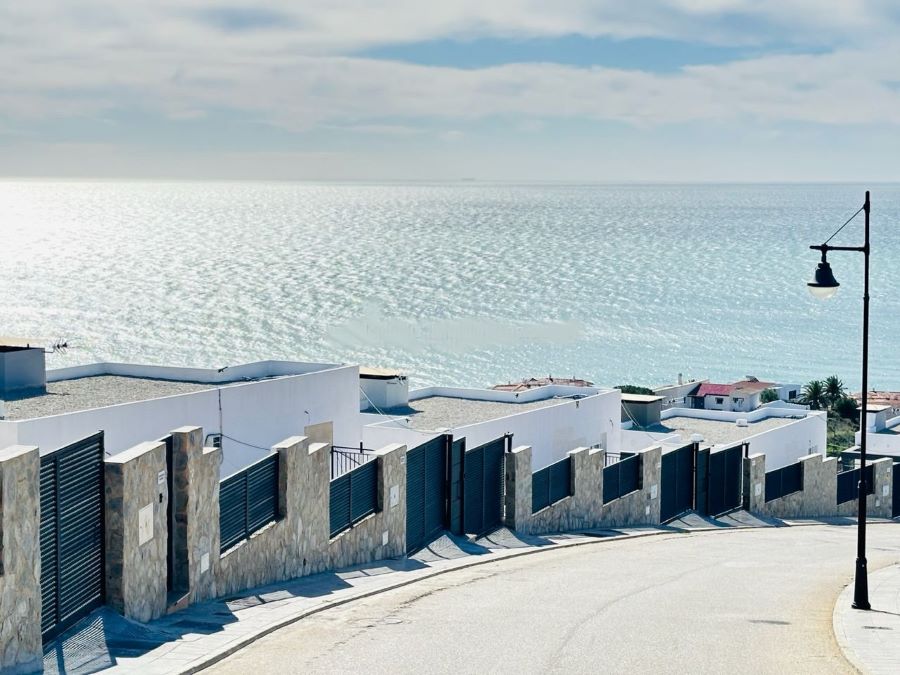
814 394
834 389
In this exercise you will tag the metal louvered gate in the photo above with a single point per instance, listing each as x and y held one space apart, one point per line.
895 487
456 485
72 534
426 492
724 484
676 482
483 487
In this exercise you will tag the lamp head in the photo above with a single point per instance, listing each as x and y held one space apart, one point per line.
823 285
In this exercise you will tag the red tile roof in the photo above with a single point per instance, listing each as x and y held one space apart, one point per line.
710 389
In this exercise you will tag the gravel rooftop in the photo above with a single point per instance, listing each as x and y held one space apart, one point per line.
99 391
438 412
717 432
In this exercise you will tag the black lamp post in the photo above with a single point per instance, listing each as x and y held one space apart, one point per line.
824 285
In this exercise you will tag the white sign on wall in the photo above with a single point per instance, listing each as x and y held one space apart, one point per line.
395 495
145 524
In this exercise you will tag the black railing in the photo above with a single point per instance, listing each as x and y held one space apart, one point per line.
621 478
551 484
848 484
248 500
344 459
354 495
784 481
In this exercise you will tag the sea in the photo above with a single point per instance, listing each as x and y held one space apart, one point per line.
467 284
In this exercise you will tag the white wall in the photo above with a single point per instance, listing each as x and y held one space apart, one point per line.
729 416
383 393
551 431
258 413
787 444
782 445
555 430
634 441
229 374
527 396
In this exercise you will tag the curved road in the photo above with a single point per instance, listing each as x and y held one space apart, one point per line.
739 601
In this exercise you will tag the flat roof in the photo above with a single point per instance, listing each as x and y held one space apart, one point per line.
444 412
717 432
98 391
640 398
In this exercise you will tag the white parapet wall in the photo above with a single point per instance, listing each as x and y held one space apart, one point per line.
551 431
252 415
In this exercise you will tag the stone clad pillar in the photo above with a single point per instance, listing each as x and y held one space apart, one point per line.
587 487
196 506
755 483
20 560
137 499
392 498
881 503
652 471
518 489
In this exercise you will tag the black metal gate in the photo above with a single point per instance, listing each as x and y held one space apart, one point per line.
456 485
895 486
483 487
426 491
170 514
676 482
725 473
72 534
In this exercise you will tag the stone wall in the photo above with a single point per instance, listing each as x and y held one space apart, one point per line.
294 545
640 507
878 505
137 498
818 498
581 510
20 560
584 509
196 502
382 534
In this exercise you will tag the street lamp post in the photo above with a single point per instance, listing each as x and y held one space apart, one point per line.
824 285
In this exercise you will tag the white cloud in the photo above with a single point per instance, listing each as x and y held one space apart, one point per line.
290 65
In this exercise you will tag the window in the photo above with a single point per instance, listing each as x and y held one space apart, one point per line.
719 401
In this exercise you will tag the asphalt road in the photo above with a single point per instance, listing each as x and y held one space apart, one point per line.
740 601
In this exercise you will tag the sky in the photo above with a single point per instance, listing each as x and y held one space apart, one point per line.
505 90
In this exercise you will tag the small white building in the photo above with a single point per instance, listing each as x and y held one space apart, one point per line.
551 419
246 408
882 429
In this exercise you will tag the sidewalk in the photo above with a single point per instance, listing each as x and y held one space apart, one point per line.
202 634
869 640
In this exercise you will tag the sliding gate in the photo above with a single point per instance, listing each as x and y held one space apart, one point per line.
726 470
895 487
677 482
483 486
72 534
426 491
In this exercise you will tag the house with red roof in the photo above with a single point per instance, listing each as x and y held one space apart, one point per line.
741 396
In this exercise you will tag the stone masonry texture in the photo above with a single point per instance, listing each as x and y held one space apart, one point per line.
641 507
20 560
382 534
196 513
584 508
293 545
135 571
818 498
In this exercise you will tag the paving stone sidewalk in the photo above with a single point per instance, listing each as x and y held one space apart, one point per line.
192 639
871 640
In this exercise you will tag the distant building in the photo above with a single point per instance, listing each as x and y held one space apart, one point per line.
741 396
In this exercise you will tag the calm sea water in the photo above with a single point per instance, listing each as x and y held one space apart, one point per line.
463 284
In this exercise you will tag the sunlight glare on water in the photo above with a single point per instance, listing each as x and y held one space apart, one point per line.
456 284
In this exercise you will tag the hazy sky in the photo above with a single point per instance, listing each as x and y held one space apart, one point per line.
602 90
